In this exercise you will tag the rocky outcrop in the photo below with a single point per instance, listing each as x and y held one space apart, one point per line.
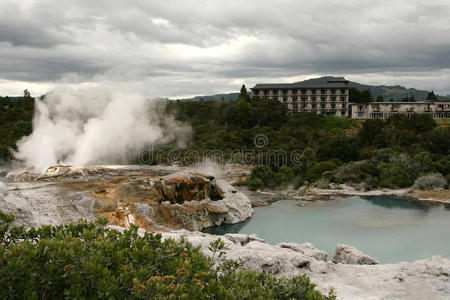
422 279
350 255
155 199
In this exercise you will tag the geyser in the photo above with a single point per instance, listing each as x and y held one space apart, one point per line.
83 128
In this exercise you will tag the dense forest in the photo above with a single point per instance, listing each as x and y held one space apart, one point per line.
318 149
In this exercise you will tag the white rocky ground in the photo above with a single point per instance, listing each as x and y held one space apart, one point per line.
35 204
123 193
422 279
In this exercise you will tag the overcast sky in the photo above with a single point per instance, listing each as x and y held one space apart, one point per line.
177 48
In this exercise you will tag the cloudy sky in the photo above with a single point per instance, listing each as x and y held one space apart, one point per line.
177 48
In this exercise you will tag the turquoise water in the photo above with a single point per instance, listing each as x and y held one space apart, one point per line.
389 229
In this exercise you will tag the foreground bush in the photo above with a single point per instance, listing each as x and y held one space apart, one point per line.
86 260
431 181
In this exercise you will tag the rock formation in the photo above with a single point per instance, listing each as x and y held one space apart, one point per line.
350 255
155 199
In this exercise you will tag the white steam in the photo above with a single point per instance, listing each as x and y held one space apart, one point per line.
84 128
209 167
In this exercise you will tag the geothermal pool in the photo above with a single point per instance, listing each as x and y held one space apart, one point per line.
389 229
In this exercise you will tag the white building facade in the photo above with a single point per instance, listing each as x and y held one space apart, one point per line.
330 98
383 110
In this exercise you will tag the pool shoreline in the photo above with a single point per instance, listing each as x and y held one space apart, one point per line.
385 227
314 194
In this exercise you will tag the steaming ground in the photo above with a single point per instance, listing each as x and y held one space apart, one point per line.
3 189
86 127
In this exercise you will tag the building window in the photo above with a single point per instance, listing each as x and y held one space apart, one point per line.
322 91
313 91
343 91
333 91
323 98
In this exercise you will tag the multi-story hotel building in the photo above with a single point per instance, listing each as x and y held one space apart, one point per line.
330 98
383 110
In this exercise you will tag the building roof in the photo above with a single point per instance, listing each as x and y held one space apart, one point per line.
298 85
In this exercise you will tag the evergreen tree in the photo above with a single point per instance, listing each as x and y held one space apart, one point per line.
431 96
243 94
366 96
360 97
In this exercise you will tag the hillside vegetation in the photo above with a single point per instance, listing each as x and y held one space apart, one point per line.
390 153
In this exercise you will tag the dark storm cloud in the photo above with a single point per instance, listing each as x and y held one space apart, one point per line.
221 42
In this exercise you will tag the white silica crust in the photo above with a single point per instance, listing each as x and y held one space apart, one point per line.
422 279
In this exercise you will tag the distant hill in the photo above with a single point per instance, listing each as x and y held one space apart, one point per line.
230 96
395 92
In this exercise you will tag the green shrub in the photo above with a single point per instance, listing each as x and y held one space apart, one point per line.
284 176
431 181
87 260
394 176
322 183
265 174
316 171
298 182
442 166
255 184
369 167
423 162
383 155
348 173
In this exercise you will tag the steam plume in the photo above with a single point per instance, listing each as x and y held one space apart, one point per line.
82 128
